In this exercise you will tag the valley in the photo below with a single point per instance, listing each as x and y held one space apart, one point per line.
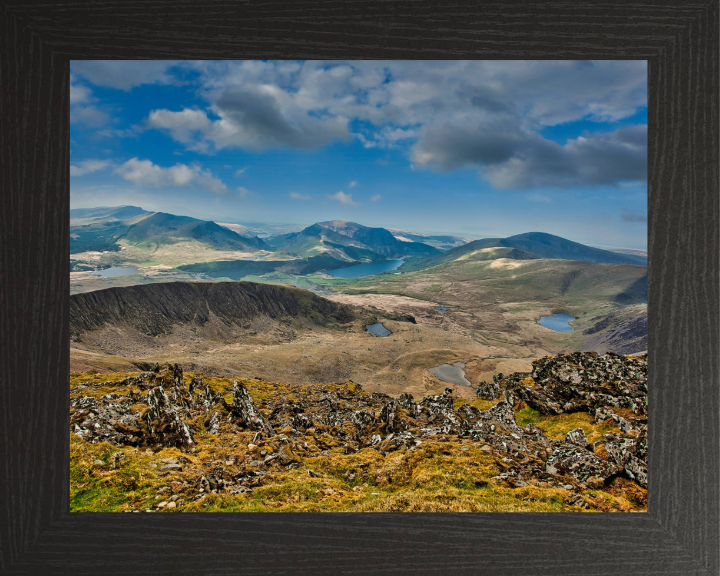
493 293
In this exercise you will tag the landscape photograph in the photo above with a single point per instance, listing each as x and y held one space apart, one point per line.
358 286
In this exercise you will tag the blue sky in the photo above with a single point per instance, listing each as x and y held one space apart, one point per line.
474 148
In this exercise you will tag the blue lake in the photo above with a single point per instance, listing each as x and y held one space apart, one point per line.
443 308
378 329
557 322
116 271
366 269
451 373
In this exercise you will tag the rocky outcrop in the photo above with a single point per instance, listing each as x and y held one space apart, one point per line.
166 408
580 382
586 382
490 390
630 453
579 463
243 410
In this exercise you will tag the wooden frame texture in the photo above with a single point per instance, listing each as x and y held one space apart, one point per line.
680 533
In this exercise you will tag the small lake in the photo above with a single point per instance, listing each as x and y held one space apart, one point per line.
443 308
115 271
451 373
366 269
378 329
557 322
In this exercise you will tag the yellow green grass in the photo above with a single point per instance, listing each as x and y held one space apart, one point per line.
443 474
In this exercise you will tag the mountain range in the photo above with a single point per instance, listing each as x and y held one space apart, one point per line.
321 246
102 229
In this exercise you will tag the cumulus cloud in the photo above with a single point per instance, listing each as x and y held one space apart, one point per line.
459 143
364 141
633 216
376 197
82 106
599 159
252 119
298 196
240 171
352 184
343 198
445 114
78 94
124 74
512 158
257 120
183 125
88 166
146 174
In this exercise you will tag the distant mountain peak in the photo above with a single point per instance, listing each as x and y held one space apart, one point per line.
350 240
529 245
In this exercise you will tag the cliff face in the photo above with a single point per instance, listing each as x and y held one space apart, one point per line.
154 308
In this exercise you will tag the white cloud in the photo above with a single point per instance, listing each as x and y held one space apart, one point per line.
240 171
376 197
78 94
343 198
124 74
352 184
250 119
183 125
145 173
451 114
88 166
82 106
244 192
365 142
298 196
389 137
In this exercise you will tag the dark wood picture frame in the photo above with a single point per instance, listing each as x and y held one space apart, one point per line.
680 533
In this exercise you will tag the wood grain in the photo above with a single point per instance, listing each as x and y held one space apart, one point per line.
681 531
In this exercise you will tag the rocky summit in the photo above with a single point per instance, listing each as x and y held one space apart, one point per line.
570 435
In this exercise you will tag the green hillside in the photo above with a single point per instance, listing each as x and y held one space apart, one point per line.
525 247
574 281
550 246
163 229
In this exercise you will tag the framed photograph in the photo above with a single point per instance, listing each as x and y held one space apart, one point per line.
466 286
421 340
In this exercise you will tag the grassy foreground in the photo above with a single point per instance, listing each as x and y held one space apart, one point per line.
442 474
